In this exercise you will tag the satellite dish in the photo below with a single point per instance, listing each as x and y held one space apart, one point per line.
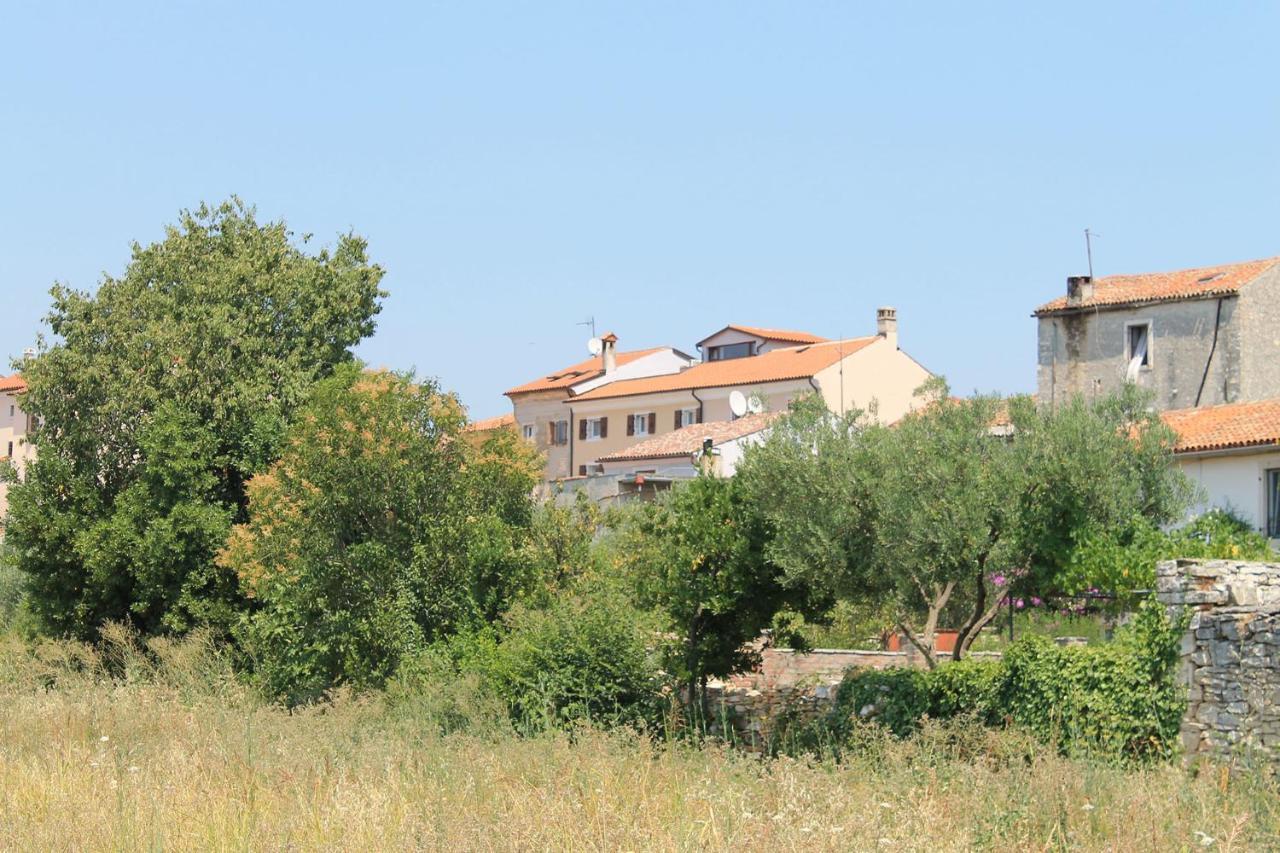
594 346
737 404
755 405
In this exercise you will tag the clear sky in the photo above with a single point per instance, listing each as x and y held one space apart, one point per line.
666 167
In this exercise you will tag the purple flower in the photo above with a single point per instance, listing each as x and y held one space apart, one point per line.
1035 601
1019 603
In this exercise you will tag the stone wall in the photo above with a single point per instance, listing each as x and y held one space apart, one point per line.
1230 656
798 685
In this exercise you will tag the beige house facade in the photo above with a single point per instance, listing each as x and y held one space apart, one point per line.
15 426
604 411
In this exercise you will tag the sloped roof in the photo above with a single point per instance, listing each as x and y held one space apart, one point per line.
12 384
486 424
580 372
686 440
1224 427
777 365
1165 286
785 336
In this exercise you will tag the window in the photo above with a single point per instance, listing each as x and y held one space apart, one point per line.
1273 503
10 411
527 431
10 453
645 423
728 351
559 432
1138 344
593 429
686 417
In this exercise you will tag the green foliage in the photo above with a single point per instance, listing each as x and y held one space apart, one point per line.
377 532
582 657
957 505
1124 560
1117 700
699 559
167 390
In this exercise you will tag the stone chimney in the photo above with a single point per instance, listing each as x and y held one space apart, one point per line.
1079 289
887 324
609 352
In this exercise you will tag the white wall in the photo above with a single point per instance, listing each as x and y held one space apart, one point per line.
13 430
1233 481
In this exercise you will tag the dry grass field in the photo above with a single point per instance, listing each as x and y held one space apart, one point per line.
176 754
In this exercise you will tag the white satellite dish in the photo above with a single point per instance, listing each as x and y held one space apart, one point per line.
594 346
755 405
737 403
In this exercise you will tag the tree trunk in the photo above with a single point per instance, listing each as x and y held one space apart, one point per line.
926 641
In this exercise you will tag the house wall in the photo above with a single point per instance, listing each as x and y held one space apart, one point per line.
1234 481
879 375
13 430
776 396
540 409
1260 337
1085 353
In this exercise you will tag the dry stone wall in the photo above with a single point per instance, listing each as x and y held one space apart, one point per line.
1230 656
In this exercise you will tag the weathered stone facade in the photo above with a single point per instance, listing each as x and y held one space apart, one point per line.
1230 654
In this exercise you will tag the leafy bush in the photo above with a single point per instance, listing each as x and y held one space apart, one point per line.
1117 700
1124 561
582 657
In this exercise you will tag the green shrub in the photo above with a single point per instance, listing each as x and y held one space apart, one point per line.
582 657
1117 700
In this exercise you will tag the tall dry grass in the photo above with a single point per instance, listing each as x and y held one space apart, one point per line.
165 749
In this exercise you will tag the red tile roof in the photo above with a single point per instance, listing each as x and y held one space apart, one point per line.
686 440
12 384
580 372
486 424
774 366
1165 286
782 335
1232 425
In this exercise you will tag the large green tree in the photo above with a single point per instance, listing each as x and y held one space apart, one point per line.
378 531
699 559
946 512
162 393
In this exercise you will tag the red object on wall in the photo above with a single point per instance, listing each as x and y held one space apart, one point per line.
944 641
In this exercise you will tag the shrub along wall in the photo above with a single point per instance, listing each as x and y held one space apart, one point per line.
1119 700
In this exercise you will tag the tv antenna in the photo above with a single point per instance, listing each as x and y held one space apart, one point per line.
1088 247
590 321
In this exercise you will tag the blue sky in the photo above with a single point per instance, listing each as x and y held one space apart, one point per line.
666 167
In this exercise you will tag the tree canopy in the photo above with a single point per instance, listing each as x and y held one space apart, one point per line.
948 510
163 392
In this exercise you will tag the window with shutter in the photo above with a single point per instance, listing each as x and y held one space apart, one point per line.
653 423
582 430
582 470
631 425
679 414
604 427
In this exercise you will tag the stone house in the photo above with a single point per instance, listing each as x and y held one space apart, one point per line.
1197 337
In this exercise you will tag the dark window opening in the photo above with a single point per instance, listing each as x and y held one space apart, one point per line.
1273 503
1140 344
728 351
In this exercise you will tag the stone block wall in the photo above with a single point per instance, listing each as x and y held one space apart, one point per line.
1230 656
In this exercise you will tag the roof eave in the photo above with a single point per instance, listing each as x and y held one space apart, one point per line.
1235 449
1132 303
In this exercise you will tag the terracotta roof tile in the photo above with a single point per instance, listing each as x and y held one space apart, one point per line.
1227 426
580 372
1165 286
783 335
486 424
774 366
12 384
686 440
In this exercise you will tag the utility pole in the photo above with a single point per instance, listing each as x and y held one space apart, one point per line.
1088 248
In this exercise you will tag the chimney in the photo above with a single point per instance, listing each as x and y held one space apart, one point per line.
887 324
1079 289
609 352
